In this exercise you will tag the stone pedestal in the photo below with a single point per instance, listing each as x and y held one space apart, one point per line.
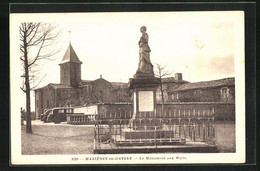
144 102
144 95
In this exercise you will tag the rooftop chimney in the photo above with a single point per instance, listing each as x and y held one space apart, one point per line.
178 77
100 76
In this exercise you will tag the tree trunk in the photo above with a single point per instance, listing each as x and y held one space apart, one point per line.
162 98
161 89
27 90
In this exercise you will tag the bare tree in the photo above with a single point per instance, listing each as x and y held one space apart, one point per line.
162 72
36 40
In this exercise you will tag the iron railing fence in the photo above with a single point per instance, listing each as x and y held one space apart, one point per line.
148 128
176 113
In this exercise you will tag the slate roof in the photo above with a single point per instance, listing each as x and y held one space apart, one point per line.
55 86
114 84
206 84
70 56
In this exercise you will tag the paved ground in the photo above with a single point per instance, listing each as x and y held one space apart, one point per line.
58 139
39 122
225 137
50 138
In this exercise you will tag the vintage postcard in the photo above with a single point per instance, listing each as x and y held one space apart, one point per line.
127 87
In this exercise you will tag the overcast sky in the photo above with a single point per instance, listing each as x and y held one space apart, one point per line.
200 45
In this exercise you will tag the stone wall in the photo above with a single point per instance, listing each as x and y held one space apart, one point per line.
44 99
67 97
115 107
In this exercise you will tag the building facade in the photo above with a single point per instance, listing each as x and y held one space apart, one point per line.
222 90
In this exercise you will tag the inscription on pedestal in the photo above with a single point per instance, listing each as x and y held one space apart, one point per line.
146 101
134 102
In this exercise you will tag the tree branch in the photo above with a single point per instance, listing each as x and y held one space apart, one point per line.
38 54
22 89
35 32
39 82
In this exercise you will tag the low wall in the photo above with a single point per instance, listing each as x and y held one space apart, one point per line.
222 111
115 108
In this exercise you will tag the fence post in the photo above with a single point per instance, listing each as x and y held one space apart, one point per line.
170 132
199 127
131 126
174 130
184 130
98 134
155 137
203 127
95 136
213 130
179 127
190 136
194 131
208 129
120 127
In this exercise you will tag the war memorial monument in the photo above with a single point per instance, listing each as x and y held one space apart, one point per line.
149 130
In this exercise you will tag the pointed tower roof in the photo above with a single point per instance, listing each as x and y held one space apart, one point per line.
70 56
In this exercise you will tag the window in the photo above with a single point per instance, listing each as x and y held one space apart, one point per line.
48 104
158 95
75 72
224 92
175 96
198 92
69 110
61 111
87 88
58 93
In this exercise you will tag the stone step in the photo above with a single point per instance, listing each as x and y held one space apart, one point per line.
148 134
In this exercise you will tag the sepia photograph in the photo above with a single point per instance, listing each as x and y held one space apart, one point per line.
127 87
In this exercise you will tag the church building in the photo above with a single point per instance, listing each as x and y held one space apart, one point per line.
74 91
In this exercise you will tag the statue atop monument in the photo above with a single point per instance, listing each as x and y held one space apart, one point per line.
145 67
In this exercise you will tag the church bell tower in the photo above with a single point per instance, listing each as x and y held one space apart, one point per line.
70 68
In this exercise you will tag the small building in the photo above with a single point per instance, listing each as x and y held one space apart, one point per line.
169 84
